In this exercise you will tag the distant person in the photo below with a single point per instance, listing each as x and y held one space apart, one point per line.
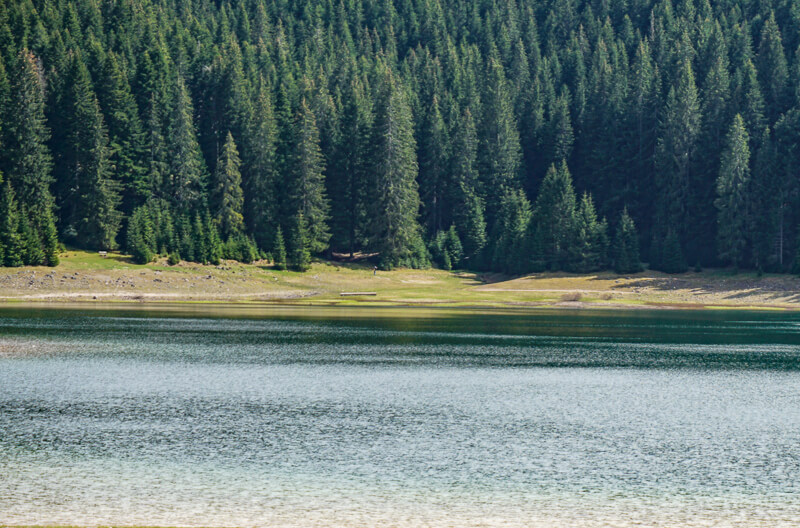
374 270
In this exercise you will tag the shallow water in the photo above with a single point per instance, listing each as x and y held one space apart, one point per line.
370 417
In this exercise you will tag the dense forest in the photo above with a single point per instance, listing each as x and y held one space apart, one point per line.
507 135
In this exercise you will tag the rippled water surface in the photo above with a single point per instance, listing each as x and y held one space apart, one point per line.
370 417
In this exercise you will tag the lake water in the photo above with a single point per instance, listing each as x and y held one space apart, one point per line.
388 417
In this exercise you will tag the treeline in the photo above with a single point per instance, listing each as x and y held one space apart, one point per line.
511 135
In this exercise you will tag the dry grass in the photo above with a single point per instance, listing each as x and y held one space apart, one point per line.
86 276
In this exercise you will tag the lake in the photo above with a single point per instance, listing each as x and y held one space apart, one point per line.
362 417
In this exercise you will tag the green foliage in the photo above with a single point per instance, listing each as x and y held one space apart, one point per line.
141 238
626 246
554 218
387 123
226 195
733 187
446 249
299 245
10 236
588 251
672 259
308 181
395 231
279 252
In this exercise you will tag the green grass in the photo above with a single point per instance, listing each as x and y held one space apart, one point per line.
323 283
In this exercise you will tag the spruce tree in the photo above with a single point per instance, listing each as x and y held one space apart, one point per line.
468 208
299 246
349 184
308 181
186 169
259 175
30 162
625 252
433 168
141 238
732 194
773 69
676 153
510 232
395 232
227 199
279 251
588 250
500 152
87 197
126 135
554 217
10 238
32 253
672 259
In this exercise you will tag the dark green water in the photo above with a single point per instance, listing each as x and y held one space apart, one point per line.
371 417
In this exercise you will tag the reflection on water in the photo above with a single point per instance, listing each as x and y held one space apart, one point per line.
333 417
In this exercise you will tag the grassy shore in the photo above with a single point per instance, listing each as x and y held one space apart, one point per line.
84 276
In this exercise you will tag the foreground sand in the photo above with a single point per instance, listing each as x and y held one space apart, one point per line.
86 277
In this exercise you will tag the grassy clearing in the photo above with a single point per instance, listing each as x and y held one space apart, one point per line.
87 276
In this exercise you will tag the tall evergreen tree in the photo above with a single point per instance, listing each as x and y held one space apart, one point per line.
30 162
676 153
88 197
468 209
187 170
626 246
227 199
554 218
732 194
259 171
395 231
308 181
10 240
500 154
433 169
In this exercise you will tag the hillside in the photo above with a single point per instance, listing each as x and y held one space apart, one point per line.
511 136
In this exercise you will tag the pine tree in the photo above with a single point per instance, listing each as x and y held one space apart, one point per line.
141 238
554 217
500 153
10 239
672 259
299 253
510 231
308 181
226 195
676 153
732 194
279 251
433 168
126 135
187 171
349 181
773 69
395 231
468 211
589 249
259 171
626 246
87 198
30 163
32 254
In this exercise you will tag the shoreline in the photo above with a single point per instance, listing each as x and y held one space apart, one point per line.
86 278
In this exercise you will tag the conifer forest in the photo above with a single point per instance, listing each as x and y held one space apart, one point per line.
506 135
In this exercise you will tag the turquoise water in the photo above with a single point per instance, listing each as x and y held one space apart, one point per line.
370 417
